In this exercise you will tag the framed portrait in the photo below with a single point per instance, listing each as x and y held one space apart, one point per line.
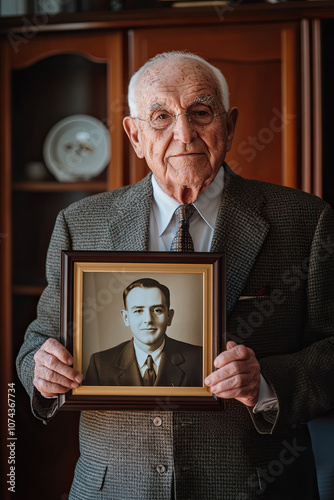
144 328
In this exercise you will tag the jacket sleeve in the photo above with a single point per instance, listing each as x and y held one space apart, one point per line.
47 323
304 381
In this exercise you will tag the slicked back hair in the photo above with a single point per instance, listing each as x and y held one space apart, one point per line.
147 283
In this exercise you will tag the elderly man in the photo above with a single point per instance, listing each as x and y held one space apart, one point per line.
150 357
278 370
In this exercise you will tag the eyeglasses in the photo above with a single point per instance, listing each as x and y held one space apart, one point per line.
163 120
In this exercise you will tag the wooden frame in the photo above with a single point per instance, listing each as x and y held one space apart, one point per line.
92 291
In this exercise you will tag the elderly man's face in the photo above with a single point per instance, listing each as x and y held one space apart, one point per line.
184 157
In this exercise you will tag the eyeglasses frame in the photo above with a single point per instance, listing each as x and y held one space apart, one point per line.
176 117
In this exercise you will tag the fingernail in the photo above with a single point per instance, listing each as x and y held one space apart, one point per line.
79 378
74 385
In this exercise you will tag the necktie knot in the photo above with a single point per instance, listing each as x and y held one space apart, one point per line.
184 212
182 241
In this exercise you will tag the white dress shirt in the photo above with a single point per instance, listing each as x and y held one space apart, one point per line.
163 226
163 222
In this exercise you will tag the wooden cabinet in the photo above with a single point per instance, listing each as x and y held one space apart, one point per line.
278 61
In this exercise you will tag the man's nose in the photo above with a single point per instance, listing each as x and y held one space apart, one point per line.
184 129
147 316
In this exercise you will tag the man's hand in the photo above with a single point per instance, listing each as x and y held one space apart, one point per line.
237 375
53 372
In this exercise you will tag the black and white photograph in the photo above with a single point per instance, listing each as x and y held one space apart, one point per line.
156 320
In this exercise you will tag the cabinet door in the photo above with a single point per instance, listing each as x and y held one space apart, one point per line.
259 62
56 82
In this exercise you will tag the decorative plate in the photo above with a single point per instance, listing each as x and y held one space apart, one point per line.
77 148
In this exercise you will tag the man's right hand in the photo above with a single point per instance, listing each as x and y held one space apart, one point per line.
53 371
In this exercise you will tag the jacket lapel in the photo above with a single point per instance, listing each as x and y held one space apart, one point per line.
127 365
130 220
240 232
169 372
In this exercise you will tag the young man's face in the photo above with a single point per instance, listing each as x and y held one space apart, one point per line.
147 315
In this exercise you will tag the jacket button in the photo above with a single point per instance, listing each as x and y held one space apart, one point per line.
161 469
157 421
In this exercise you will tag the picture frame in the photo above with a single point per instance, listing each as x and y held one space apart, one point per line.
99 327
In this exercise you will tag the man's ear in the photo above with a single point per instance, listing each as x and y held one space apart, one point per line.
125 316
232 117
170 316
131 128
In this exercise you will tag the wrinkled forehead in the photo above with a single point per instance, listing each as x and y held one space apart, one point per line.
177 83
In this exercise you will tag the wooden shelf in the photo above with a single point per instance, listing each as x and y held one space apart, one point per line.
50 186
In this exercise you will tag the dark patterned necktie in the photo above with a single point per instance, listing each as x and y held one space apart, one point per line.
150 375
182 241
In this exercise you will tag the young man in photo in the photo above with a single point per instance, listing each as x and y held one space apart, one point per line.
150 357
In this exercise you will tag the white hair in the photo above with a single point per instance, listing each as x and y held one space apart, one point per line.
164 56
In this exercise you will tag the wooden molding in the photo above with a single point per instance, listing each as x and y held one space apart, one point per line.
289 107
317 107
306 158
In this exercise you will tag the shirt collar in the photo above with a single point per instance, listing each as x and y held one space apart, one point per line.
207 204
142 355
164 206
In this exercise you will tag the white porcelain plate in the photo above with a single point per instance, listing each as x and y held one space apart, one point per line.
77 148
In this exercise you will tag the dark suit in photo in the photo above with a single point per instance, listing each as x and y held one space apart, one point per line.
180 366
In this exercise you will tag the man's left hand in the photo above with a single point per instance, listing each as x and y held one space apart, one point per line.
237 375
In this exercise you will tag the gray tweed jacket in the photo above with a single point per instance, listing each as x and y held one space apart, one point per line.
278 241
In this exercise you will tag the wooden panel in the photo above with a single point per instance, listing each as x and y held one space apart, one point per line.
306 108
30 51
116 109
317 105
289 78
256 149
253 59
250 43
